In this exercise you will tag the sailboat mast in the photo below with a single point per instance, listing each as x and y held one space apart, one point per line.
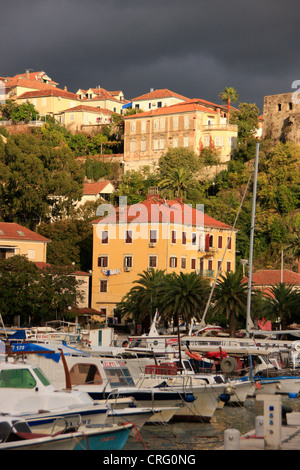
249 322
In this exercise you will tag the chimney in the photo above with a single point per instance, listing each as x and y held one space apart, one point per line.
65 88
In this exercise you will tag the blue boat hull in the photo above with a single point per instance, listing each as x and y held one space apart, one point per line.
111 439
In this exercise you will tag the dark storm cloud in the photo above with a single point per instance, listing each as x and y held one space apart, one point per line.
195 48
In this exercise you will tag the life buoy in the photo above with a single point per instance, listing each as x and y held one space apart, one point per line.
258 385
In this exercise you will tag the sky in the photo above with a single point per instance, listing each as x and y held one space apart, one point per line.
194 48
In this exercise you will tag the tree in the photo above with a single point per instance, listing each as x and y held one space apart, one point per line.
229 95
143 299
176 158
246 119
35 294
183 297
282 301
230 297
177 184
24 112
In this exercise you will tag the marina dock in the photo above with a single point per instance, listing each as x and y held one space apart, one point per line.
273 431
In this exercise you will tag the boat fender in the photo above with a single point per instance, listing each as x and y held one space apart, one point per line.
229 391
225 397
189 398
258 385
228 365
296 345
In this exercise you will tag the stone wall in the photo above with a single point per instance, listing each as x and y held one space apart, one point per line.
281 116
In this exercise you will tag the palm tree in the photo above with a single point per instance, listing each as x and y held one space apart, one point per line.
177 184
230 297
282 301
183 296
229 95
143 299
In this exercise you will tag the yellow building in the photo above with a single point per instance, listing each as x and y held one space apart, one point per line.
190 124
50 101
18 240
159 234
83 118
101 98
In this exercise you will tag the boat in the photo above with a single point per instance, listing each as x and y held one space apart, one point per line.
16 434
26 392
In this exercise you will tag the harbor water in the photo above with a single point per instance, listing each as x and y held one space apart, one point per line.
202 436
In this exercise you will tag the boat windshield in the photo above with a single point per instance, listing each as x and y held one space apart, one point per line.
17 378
118 376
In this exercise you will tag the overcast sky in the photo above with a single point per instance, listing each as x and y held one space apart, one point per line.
195 48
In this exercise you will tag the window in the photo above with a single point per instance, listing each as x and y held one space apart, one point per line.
17 378
72 117
173 262
159 104
152 261
279 107
211 241
210 264
132 126
132 146
31 254
183 263
229 243
128 236
228 266
143 145
219 264
175 122
186 121
104 236
103 285
206 141
85 374
183 238
128 261
186 141
290 106
219 141
103 261
173 236
153 236
220 241
143 126
175 142
194 238
193 263
156 124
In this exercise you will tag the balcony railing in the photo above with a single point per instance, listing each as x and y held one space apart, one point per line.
206 272
224 127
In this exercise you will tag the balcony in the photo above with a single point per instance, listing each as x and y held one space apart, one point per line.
206 273
220 127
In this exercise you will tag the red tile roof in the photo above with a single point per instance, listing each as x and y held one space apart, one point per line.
89 109
156 210
95 188
43 265
49 91
156 94
12 231
268 277
174 109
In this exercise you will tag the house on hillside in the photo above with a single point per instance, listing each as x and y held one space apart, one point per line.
50 101
157 99
83 118
148 135
158 234
18 240
95 191
263 279
101 98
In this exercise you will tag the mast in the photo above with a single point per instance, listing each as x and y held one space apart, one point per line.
249 322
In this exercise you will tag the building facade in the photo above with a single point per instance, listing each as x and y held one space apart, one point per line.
148 135
155 234
18 240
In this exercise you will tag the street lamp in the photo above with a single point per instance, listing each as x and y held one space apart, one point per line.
243 263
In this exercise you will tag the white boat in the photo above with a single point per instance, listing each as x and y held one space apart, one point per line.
26 392
16 434
102 378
